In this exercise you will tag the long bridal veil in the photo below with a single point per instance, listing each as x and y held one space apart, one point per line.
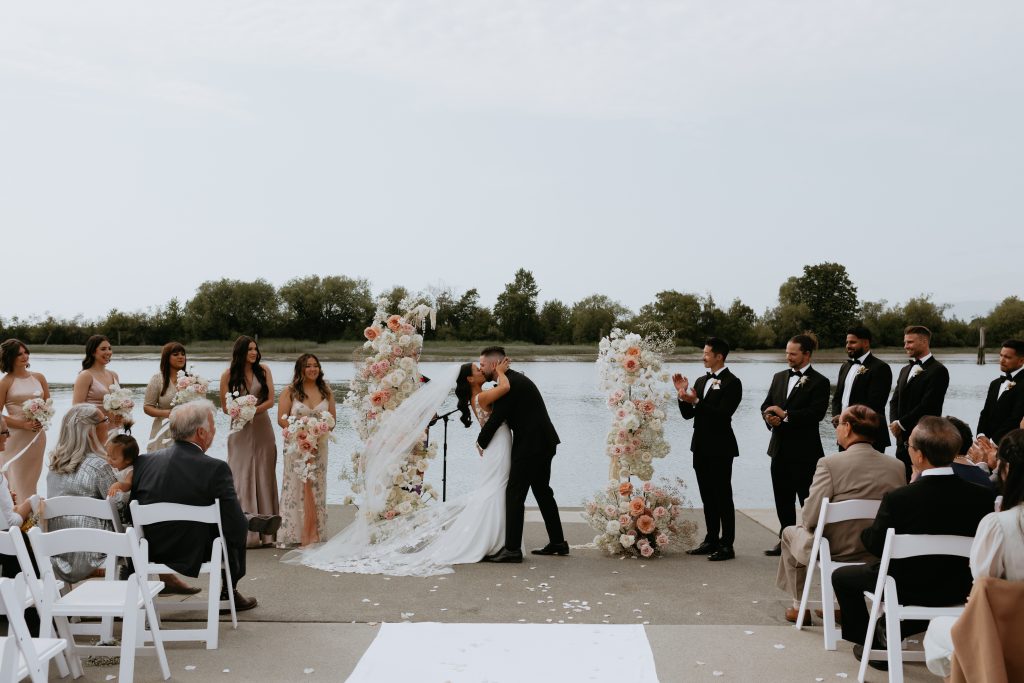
399 546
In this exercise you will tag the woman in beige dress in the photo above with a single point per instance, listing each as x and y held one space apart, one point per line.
252 452
304 503
95 379
161 390
17 386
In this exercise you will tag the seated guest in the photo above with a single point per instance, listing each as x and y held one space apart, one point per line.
937 503
78 467
963 466
183 473
998 548
858 472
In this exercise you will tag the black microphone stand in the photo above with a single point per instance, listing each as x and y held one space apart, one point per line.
444 450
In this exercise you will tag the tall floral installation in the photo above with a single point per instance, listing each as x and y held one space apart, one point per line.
387 373
646 518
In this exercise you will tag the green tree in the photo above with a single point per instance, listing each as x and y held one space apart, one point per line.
830 297
329 308
516 308
224 309
595 316
556 322
1006 321
737 327
674 311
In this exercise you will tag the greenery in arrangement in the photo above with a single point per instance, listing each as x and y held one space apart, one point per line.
334 309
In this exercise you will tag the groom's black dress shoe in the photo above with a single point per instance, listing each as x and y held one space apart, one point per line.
705 548
505 555
724 552
774 552
552 549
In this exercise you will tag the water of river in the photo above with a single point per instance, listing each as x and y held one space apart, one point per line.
577 409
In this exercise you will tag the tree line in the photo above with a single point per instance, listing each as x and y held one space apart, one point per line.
822 298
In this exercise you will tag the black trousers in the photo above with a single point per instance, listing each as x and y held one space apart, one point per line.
791 481
850 583
714 481
530 472
904 455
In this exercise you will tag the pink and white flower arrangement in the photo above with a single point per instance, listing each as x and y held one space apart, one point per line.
189 387
639 521
303 438
40 410
119 402
386 375
241 410
631 372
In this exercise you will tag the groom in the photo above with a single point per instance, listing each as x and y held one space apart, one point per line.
533 446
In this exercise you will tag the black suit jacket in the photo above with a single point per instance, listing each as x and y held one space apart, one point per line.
870 388
1002 414
181 473
523 409
712 416
920 396
798 437
943 504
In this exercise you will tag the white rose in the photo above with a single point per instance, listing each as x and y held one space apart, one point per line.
627 540
404 340
405 507
612 527
623 507
407 363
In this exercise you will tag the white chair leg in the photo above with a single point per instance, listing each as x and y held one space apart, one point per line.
869 639
213 603
893 641
828 614
64 631
805 596
129 636
229 586
158 640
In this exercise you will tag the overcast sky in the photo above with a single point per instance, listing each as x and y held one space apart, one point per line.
610 147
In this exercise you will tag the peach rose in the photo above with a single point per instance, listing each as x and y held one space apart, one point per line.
633 351
645 524
631 364
308 446
371 332
395 323
636 506
625 488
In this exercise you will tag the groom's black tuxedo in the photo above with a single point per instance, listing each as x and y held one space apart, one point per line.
915 398
872 381
534 441
795 447
1002 412
714 447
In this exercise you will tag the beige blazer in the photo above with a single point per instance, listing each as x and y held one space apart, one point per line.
859 472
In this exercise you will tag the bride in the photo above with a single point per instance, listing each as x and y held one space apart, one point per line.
429 540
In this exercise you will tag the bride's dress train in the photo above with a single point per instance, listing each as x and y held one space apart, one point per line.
430 540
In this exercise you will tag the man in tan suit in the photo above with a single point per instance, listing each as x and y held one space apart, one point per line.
858 473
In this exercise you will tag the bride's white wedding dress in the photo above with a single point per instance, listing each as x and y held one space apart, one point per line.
432 539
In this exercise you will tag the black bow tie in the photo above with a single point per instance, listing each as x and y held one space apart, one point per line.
855 361
916 362
1007 377
710 375
795 373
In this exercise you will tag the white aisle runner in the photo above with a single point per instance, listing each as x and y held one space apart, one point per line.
430 652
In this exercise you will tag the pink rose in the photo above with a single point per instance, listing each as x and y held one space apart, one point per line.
305 446
396 351
660 512
235 412
323 428
646 551
661 540
390 514
625 521
648 487
610 511
286 433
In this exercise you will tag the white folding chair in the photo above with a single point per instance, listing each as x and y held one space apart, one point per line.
84 506
23 655
821 556
210 514
12 543
121 599
885 598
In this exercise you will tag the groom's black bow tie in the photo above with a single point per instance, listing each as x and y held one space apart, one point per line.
1007 377
795 373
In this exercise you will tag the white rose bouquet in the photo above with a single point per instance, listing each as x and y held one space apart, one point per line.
302 437
189 387
40 410
241 410
119 402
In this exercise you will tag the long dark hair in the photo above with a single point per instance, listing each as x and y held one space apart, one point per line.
91 344
297 378
464 392
1011 455
169 349
9 351
236 374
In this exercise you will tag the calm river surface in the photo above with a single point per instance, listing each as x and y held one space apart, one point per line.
577 409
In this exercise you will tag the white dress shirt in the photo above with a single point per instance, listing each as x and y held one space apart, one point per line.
712 376
1006 384
793 379
850 376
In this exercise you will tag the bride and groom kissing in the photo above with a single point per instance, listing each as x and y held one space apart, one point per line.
517 443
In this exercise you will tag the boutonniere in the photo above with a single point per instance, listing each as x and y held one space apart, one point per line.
800 382
1010 385
715 384
917 370
862 370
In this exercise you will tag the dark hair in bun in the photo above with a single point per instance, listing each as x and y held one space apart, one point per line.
464 392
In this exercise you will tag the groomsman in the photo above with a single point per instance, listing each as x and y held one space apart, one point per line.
920 389
711 404
863 380
1004 405
796 403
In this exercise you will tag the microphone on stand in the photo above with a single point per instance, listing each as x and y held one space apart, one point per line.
444 456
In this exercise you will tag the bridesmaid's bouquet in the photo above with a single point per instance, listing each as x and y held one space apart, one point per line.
119 402
40 410
241 410
302 439
189 387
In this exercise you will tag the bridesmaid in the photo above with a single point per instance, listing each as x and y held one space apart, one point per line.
252 452
93 382
160 391
17 386
304 504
